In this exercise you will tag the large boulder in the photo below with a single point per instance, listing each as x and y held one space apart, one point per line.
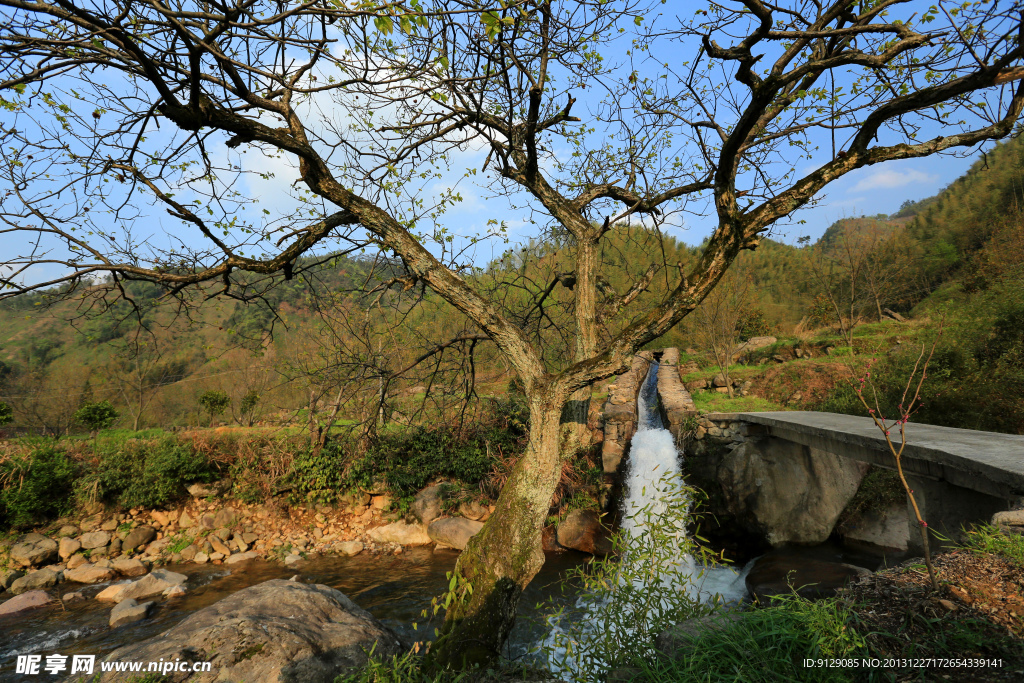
427 505
138 537
787 492
33 550
282 631
886 530
25 601
90 573
400 532
582 530
40 579
453 532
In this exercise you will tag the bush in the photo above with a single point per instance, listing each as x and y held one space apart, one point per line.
96 416
149 474
36 487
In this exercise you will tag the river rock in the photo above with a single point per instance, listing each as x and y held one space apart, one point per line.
582 530
780 573
787 492
401 533
68 547
146 587
242 558
9 576
68 530
23 602
282 631
227 517
348 548
33 550
128 611
129 566
201 558
473 510
77 560
427 505
37 580
670 641
186 521
454 532
71 598
175 592
213 490
95 539
138 537
219 547
188 553
160 517
90 573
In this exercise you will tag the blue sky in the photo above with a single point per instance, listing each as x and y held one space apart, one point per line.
867 191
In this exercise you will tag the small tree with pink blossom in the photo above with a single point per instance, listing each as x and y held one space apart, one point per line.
905 410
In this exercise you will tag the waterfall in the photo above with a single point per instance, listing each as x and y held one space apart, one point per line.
653 460
656 578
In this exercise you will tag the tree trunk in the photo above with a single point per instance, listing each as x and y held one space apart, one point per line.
575 435
506 554
576 412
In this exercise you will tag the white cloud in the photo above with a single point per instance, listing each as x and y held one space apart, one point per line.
888 178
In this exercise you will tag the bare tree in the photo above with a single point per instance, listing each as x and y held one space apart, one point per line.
717 321
138 371
839 272
117 107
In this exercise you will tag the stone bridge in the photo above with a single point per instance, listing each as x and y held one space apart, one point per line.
789 475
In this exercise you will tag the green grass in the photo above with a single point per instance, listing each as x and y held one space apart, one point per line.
986 538
714 402
763 646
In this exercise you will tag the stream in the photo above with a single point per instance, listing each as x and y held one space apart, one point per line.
394 588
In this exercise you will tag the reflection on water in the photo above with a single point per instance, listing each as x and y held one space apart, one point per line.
394 588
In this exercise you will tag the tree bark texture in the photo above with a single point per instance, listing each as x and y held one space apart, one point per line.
506 554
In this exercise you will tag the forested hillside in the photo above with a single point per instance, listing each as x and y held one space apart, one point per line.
349 332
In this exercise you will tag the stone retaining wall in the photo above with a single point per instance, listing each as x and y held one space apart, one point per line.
619 412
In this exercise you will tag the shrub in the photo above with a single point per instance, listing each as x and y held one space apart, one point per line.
6 414
214 403
150 473
96 416
36 487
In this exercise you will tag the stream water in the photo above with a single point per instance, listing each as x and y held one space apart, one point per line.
394 588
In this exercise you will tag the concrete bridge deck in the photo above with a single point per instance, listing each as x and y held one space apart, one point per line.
986 462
